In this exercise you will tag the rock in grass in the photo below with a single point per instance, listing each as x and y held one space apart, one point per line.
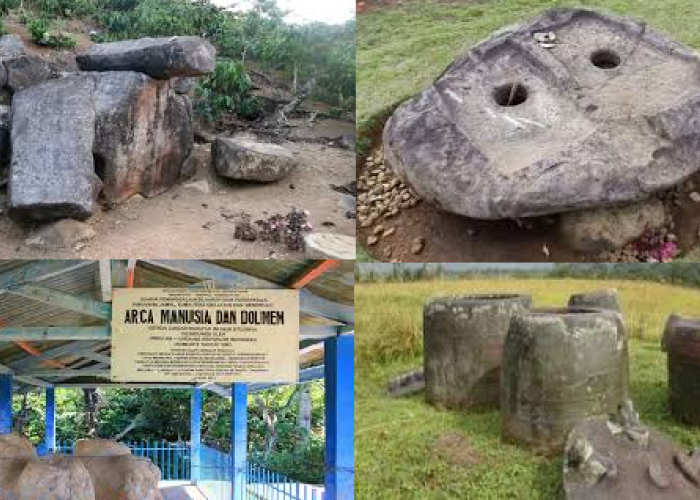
52 174
156 57
244 158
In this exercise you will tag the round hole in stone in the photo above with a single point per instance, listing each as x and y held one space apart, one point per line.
605 59
510 94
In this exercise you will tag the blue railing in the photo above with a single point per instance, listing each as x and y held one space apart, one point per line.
173 459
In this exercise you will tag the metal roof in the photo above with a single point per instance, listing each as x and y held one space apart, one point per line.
48 295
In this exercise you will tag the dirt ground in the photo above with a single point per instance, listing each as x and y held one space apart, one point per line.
185 222
453 238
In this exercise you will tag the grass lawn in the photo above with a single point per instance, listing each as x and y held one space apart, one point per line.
395 438
402 50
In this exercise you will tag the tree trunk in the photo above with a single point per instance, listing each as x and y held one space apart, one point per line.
304 417
285 110
91 400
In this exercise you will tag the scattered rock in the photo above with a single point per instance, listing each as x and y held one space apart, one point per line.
387 252
201 185
157 57
372 240
389 232
65 233
244 158
330 246
60 116
418 245
606 229
695 197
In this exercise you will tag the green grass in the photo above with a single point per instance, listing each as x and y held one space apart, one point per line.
395 437
400 51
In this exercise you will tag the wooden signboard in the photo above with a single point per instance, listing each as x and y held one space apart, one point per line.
178 335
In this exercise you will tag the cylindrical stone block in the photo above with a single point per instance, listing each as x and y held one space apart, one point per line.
463 346
606 300
600 299
559 367
682 343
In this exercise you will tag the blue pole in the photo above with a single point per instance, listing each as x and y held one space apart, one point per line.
239 439
340 415
5 404
196 434
50 440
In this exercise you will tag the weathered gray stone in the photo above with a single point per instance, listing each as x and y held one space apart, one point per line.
11 46
184 85
26 71
600 299
123 477
559 367
463 346
330 246
5 142
66 233
602 462
681 340
248 159
143 136
56 478
607 115
157 57
52 174
604 229
100 448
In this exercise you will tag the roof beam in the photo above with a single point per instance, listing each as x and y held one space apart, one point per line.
68 372
309 303
56 352
81 305
38 333
40 270
97 385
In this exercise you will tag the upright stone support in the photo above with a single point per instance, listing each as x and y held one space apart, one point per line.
239 440
5 404
196 434
50 439
340 411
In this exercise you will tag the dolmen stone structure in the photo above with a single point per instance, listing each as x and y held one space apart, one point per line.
681 342
100 470
118 127
574 110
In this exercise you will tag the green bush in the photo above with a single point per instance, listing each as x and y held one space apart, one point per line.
226 90
42 34
7 5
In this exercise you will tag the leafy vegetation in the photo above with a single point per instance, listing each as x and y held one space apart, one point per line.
397 439
276 438
43 34
226 90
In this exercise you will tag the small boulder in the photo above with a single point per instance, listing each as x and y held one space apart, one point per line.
184 85
66 233
330 246
100 448
605 229
26 71
157 57
11 46
52 173
57 477
244 158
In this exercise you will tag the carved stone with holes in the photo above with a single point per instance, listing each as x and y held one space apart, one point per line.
574 110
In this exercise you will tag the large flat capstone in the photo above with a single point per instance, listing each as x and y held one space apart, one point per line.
246 158
156 57
576 109
52 173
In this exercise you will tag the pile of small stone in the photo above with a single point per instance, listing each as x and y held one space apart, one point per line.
381 196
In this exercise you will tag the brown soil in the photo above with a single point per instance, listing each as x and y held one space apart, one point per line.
453 238
186 223
455 449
